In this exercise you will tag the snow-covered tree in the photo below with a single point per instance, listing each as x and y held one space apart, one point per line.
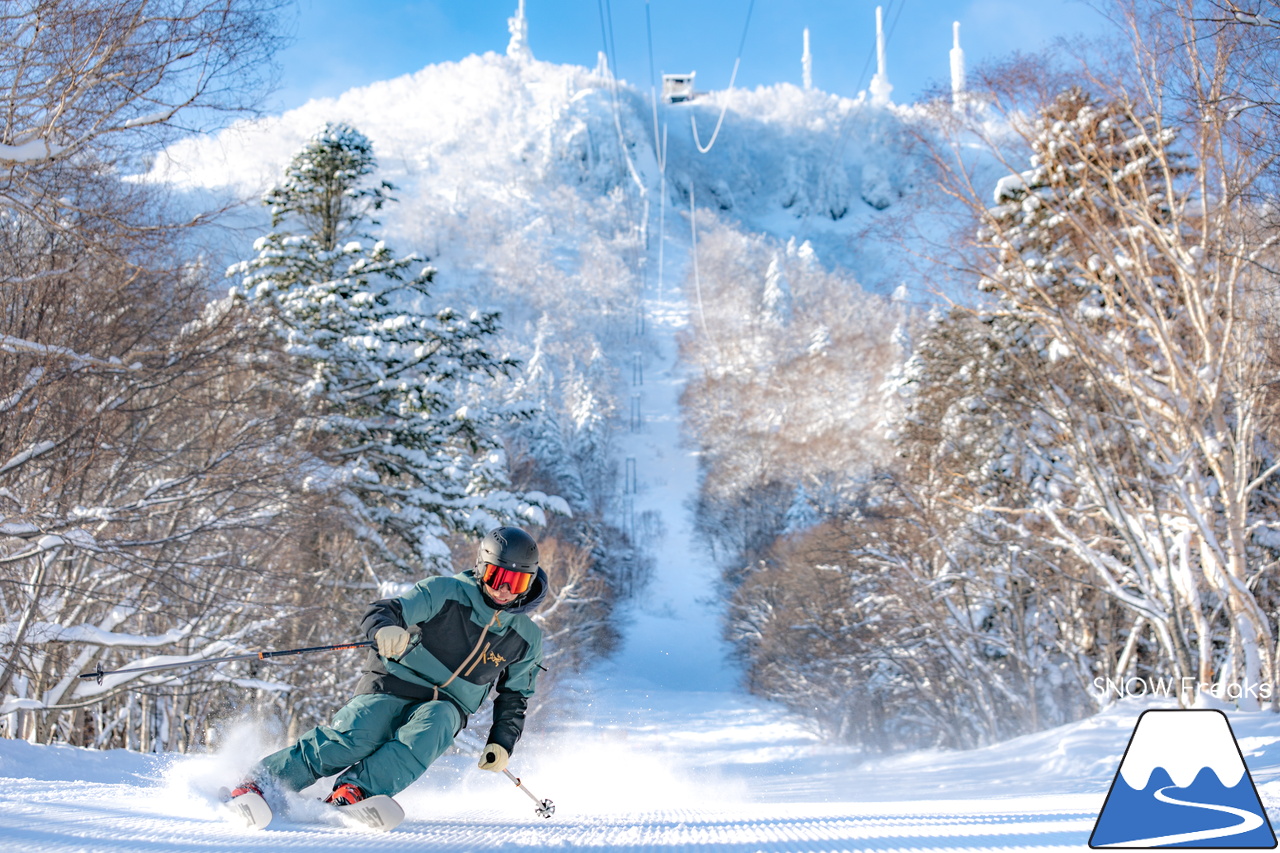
141 482
792 356
407 436
1126 272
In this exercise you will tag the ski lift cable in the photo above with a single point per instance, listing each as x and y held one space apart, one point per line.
606 33
653 92
662 209
637 263
693 121
660 151
617 108
610 53
697 280
609 59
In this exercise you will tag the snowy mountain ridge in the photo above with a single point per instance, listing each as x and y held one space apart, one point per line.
489 147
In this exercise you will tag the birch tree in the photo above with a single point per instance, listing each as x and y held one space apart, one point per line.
1130 264
125 461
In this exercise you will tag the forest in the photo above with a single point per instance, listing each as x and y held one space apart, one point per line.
1064 486
199 461
946 513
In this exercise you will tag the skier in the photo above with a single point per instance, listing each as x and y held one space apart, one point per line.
440 648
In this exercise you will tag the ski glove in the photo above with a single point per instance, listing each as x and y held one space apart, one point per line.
494 758
392 640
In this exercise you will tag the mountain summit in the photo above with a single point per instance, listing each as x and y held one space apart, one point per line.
490 145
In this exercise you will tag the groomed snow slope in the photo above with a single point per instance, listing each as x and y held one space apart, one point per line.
639 770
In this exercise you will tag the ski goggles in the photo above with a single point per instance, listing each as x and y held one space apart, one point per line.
496 577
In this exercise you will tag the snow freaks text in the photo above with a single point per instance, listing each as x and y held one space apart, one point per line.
1186 687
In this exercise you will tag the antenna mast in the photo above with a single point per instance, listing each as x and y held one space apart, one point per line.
881 88
518 47
806 62
957 66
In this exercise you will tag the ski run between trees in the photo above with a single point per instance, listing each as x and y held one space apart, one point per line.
638 754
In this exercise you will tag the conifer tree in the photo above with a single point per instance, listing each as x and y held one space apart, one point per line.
410 444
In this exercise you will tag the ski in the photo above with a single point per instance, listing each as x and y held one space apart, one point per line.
249 809
379 813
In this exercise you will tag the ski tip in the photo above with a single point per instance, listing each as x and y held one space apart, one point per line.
248 810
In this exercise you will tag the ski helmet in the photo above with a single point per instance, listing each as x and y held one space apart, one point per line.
505 551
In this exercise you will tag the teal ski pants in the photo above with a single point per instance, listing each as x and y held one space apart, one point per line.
381 743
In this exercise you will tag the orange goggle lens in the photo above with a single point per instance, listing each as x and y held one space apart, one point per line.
496 577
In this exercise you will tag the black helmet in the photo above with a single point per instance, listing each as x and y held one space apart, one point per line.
508 556
510 548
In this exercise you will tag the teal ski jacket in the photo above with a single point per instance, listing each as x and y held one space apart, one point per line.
460 648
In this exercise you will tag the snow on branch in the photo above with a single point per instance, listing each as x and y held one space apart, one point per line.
30 381
9 343
1232 13
153 118
37 449
33 151
77 538
13 703
51 632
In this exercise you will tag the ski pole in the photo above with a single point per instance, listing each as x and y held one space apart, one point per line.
545 808
99 674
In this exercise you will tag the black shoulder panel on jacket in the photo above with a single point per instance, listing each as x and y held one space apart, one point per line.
386 611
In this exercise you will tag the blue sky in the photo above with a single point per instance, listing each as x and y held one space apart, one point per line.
344 43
